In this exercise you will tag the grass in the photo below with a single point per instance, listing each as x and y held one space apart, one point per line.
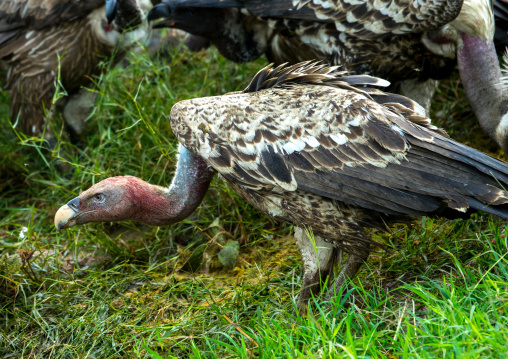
129 290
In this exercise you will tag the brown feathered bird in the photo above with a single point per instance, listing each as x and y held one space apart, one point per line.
317 148
48 42
410 43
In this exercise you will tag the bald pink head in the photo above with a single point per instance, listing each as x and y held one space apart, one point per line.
130 198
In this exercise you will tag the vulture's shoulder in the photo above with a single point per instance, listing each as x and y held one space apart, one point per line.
19 16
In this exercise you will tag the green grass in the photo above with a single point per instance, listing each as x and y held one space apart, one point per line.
130 290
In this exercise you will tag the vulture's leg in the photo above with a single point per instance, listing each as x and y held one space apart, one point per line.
31 98
318 261
77 109
419 91
349 270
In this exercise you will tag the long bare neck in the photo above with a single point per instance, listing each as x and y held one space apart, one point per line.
481 77
164 206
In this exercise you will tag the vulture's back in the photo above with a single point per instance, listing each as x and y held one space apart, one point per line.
310 129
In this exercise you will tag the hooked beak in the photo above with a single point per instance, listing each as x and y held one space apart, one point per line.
161 11
111 9
65 217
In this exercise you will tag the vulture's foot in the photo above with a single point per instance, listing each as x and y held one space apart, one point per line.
349 270
319 258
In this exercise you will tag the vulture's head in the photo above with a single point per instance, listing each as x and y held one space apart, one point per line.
126 15
130 198
470 38
111 200
121 16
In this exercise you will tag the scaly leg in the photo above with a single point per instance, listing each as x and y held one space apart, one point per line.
349 270
318 263
77 109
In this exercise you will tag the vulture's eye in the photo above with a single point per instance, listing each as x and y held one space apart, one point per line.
99 198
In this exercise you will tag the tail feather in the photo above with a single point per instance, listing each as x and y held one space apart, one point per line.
486 191
497 210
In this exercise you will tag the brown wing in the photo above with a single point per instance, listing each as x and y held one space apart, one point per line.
363 18
31 98
339 142
18 16
373 17
382 163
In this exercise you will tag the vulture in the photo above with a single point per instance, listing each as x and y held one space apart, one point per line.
410 43
48 42
318 148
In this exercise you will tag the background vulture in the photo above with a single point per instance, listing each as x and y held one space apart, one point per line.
410 43
317 148
45 42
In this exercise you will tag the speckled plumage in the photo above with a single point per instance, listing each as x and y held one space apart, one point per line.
43 41
385 39
319 148
383 17
412 44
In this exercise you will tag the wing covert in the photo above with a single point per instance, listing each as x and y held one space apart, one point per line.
365 18
16 15
312 128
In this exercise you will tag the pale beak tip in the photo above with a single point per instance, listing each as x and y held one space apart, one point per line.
64 217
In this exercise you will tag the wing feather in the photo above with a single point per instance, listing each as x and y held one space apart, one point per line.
365 19
276 166
317 135
20 16
389 170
